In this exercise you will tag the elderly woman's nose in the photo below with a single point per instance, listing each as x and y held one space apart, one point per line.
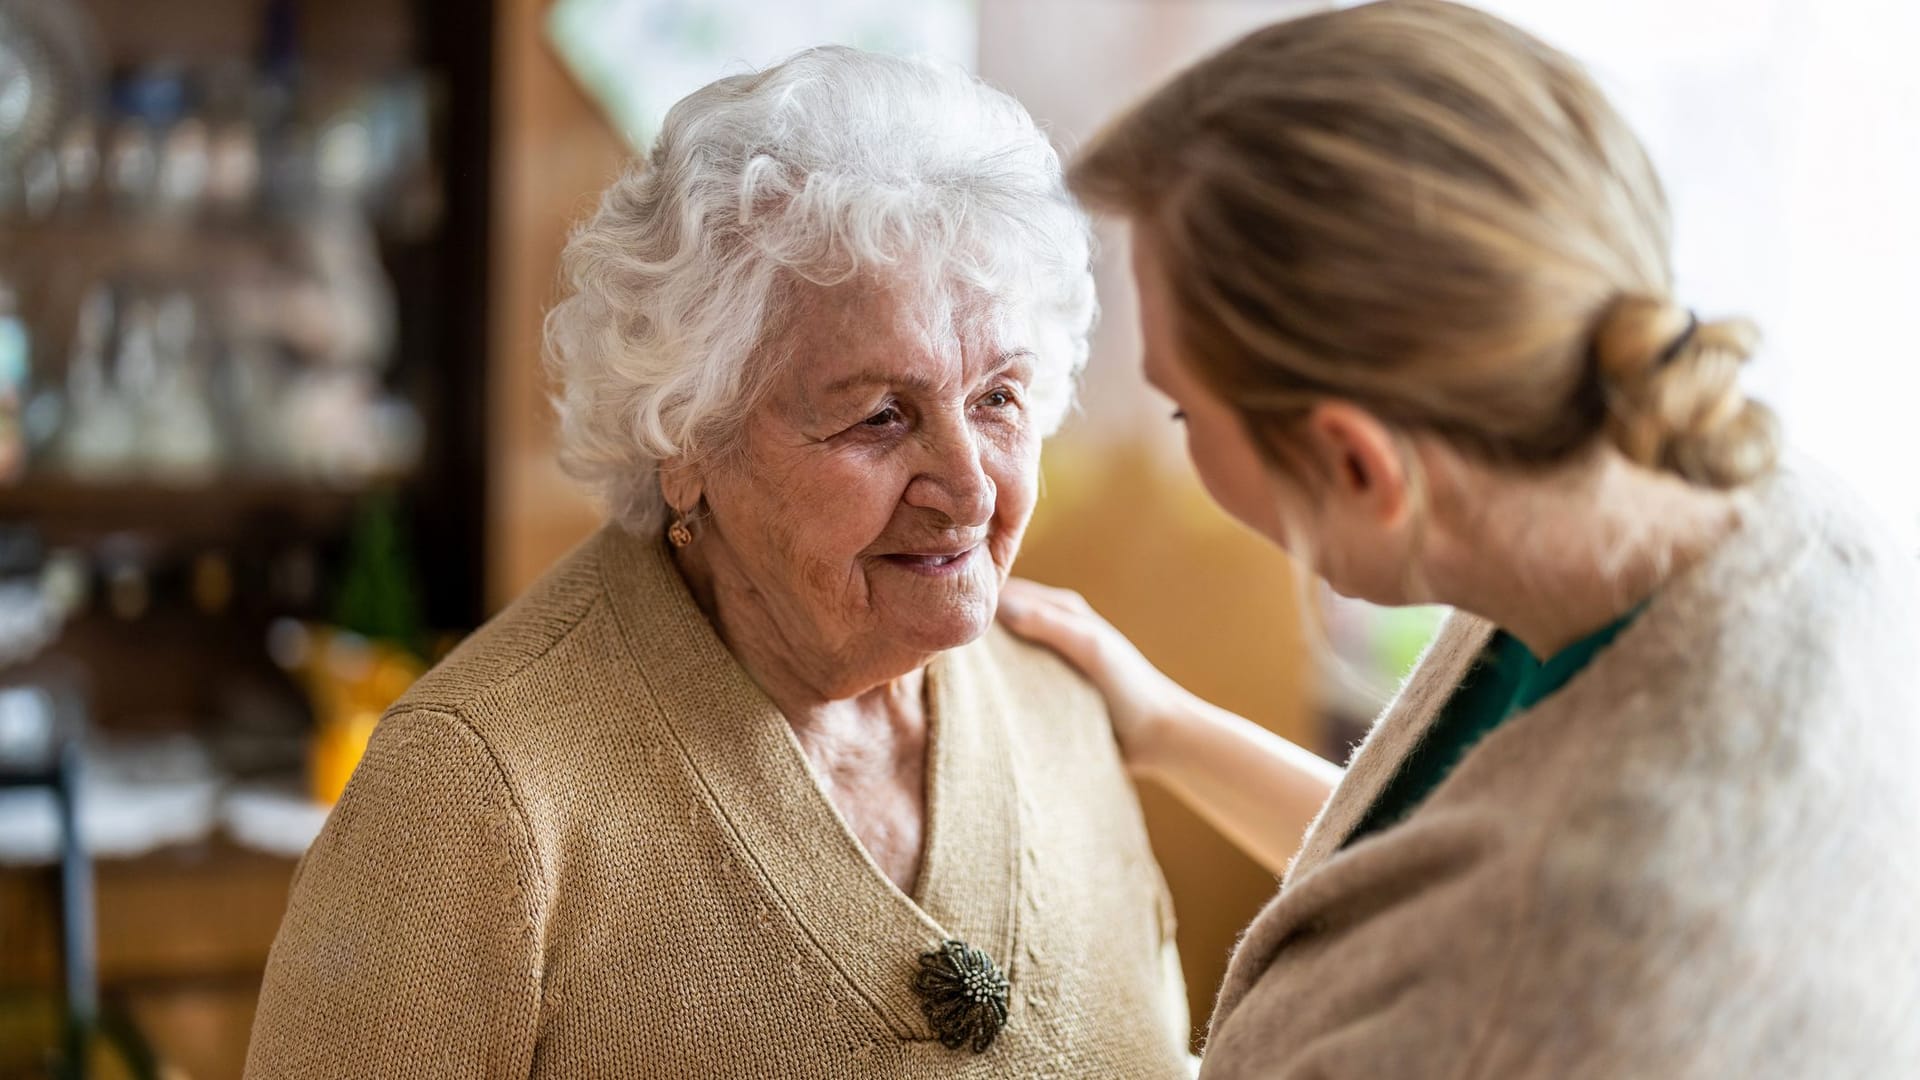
954 480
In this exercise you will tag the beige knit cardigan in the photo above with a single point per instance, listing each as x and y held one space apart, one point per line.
586 845
1700 858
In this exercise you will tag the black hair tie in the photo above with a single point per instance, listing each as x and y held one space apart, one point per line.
1680 343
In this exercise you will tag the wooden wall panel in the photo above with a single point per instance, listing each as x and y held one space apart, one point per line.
553 154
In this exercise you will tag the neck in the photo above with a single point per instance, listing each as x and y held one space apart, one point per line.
1553 559
814 688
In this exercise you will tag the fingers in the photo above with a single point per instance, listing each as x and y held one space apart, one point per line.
1028 611
1041 613
1023 591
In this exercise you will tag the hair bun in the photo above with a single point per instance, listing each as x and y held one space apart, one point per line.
1673 395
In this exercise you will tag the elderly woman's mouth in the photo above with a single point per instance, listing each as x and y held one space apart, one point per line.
933 563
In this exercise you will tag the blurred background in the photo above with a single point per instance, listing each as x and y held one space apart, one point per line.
273 433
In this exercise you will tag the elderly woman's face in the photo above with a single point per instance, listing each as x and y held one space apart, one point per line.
885 480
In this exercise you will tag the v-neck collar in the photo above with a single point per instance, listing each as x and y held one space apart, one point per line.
766 794
1464 637
1459 644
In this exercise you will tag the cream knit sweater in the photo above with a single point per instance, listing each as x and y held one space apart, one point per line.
586 845
1699 859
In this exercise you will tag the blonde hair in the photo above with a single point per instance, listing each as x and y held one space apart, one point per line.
1418 208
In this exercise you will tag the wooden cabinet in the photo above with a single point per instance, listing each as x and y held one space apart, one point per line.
183 933
183 936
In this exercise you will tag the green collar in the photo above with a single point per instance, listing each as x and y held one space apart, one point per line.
1505 681
1538 681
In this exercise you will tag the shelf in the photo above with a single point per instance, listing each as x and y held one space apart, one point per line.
69 510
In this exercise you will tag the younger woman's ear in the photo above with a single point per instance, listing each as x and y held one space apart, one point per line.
1361 459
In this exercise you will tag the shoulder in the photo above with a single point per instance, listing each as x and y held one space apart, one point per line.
1809 538
427 762
1055 713
1813 613
1743 763
1036 673
546 693
422 889
1764 698
520 637
429 792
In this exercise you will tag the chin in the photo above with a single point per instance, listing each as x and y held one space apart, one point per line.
934 613
939 635
1372 592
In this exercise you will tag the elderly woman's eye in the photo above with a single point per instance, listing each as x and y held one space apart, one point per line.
884 418
999 399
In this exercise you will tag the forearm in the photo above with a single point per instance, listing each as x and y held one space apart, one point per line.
1260 790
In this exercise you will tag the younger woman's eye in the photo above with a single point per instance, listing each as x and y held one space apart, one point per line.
1179 416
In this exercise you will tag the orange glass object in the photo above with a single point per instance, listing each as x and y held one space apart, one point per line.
350 682
337 748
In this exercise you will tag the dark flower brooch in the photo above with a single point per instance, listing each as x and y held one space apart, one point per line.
963 995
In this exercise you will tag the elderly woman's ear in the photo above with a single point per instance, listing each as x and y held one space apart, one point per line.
682 486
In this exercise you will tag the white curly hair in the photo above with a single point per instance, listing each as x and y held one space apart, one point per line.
833 164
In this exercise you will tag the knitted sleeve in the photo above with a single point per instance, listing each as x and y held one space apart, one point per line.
412 944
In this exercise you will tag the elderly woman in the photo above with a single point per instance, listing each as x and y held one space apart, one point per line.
748 786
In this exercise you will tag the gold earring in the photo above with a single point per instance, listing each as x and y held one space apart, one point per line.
678 532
